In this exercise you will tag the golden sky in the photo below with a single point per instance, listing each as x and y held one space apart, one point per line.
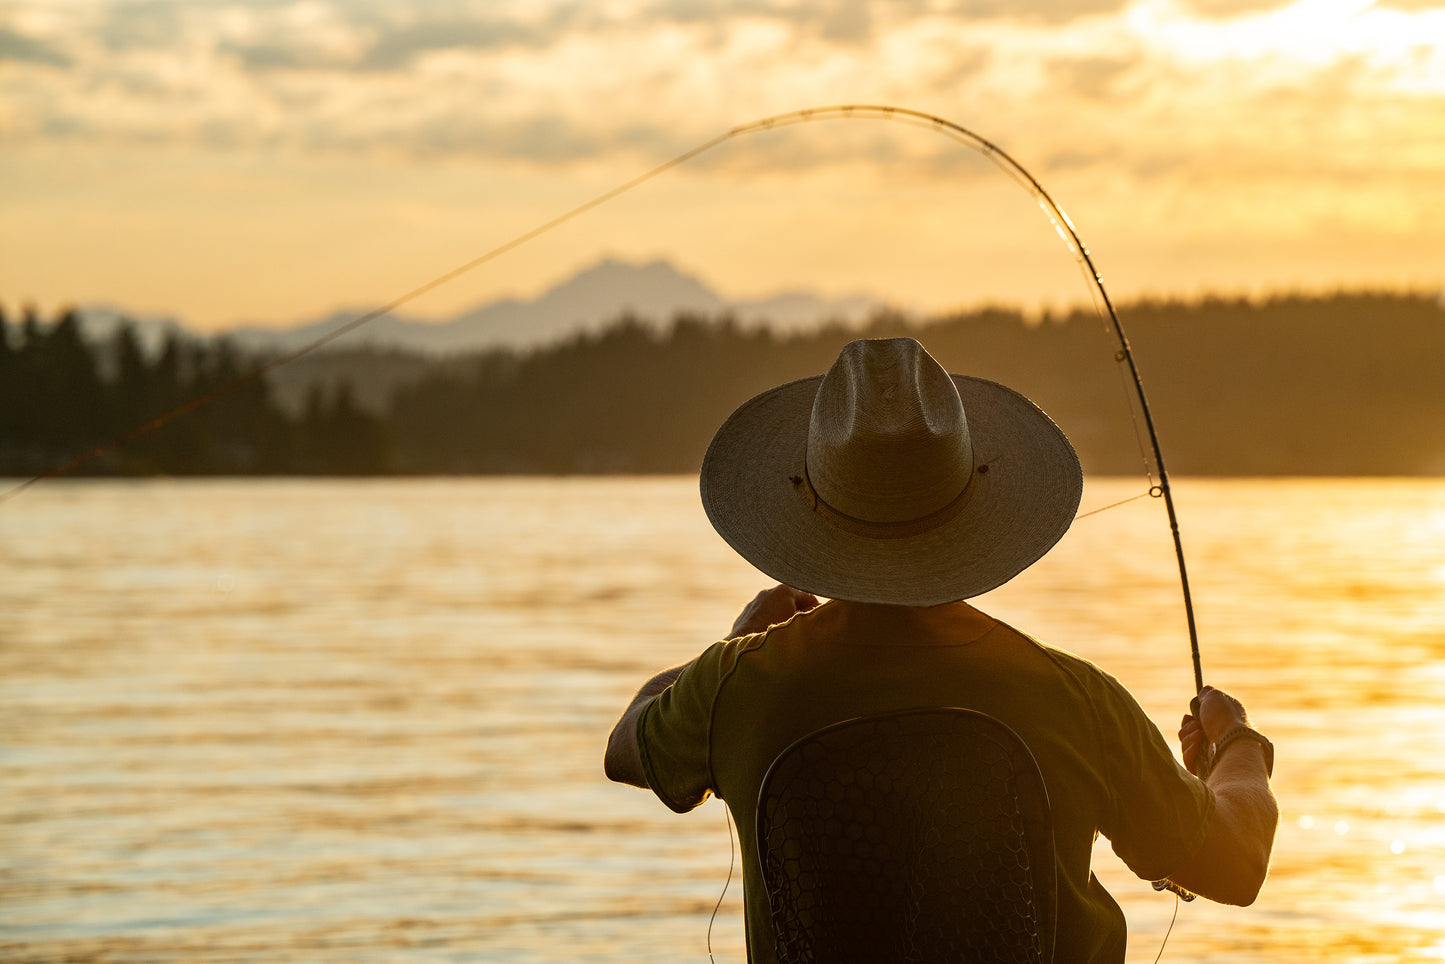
268 161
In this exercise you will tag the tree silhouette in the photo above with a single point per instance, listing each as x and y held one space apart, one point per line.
337 437
1346 384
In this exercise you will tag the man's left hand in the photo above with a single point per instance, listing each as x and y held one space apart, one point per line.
772 606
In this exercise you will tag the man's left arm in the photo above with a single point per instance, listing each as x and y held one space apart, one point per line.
623 761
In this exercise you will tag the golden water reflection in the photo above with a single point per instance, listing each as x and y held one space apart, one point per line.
362 721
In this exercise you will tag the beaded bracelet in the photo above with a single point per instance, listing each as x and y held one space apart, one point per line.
1245 733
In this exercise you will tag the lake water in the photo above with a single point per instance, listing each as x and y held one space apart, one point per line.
326 721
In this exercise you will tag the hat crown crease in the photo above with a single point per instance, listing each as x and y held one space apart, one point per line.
888 440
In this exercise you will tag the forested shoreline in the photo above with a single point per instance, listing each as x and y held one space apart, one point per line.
1346 384
61 397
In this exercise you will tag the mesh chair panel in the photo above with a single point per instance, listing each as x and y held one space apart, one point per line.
920 836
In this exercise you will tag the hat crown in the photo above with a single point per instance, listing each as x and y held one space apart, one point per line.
888 440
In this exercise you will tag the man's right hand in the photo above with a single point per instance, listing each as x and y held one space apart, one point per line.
1218 714
1231 863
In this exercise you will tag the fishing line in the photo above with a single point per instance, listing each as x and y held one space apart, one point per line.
248 377
1114 505
1165 943
727 813
1063 226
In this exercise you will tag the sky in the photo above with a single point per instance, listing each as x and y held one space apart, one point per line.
270 161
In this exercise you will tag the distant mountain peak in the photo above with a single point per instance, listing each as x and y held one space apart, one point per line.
654 291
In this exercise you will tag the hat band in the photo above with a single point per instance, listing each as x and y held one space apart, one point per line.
901 529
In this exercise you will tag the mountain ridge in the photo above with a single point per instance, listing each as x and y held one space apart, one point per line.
653 292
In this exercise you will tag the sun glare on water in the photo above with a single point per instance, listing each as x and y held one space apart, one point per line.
1435 527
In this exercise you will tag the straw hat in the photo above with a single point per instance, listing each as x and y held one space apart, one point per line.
888 480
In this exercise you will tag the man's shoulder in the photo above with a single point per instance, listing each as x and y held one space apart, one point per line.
721 659
1059 655
1082 670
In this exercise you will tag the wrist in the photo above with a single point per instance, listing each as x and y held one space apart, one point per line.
1244 733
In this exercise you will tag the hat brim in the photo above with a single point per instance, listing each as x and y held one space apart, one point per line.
1022 498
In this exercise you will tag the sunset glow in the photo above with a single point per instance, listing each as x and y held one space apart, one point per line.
270 161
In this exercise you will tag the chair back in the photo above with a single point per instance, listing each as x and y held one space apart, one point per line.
913 836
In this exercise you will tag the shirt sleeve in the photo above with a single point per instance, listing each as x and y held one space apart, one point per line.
1159 811
674 730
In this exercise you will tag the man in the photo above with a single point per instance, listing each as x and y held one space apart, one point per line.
897 491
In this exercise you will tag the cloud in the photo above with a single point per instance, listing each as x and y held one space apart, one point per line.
138 26
554 83
18 47
1223 9
1052 12
382 37
851 22
399 48
1091 78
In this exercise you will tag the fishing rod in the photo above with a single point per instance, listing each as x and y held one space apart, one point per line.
1001 158
1070 236
1124 355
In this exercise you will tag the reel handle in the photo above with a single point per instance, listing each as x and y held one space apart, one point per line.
1175 889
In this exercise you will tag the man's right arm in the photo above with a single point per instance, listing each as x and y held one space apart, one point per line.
1231 864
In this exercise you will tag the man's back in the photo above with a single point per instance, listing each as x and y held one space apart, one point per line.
1103 762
